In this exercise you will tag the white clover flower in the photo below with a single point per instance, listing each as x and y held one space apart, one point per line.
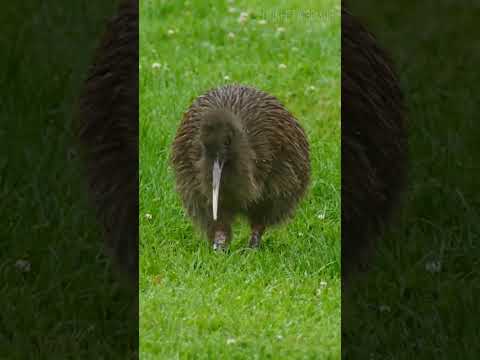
232 10
156 65
231 341
71 153
384 308
231 35
433 266
323 285
226 77
171 32
243 17
23 265
282 66
280 30
148 216
262 22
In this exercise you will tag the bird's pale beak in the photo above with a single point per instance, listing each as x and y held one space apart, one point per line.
216 175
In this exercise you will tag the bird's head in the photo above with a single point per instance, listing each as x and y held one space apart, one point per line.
220 137
217 135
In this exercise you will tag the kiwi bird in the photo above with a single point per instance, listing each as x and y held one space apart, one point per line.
239 151
107 130
374 142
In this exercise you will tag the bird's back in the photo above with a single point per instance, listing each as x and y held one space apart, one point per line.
279 144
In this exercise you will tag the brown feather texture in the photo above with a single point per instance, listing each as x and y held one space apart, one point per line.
374 141
108 134
263 152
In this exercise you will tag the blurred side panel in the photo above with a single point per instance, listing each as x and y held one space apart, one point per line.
414 295
60 295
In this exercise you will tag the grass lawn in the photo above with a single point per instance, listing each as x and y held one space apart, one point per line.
421 298
58 299
282 302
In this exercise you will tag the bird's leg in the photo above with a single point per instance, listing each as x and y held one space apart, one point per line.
220 240
256 237
220 235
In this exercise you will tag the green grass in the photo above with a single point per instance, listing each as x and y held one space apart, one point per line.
283 301
67 306
428 314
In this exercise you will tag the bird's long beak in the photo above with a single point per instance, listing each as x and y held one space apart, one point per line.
216 175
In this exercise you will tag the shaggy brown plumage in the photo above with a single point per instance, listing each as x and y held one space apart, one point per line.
108 133
262 152
374 142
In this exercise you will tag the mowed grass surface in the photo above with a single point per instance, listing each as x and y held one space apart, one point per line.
283 301
58 296
421 298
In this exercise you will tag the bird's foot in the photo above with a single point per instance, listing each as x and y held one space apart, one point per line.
254 241
220 241
256 237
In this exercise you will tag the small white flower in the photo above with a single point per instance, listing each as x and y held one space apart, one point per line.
226 77
282 66
384 308
231 341
433 266
23 265
312 88
148 216
171 32
279 337
262 22
300 234
280 30
243 17
71 153
232 10
323 285
231 35
321 216
156 65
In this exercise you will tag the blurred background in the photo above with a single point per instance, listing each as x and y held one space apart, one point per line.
59 298
419 299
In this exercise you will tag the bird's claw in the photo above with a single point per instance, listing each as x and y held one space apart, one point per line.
256 237
220 241
254 242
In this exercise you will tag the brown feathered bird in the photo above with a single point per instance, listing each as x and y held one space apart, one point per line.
374 141
239 151
108 135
